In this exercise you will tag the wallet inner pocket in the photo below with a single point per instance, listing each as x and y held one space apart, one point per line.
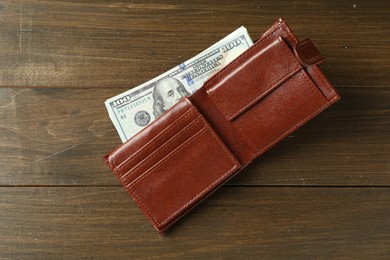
278 114
185 170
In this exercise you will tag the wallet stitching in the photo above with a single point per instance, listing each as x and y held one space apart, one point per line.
325 82
311 82
158 137
256 98
219 141
225 150
131 186
248 140
184 130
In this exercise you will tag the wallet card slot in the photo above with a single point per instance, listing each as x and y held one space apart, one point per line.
152 158
159 131
145 142
257 75
278 114
184 176
164 136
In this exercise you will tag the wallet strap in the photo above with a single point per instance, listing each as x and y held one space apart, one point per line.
307 54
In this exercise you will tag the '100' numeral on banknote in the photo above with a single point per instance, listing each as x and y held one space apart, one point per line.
136 108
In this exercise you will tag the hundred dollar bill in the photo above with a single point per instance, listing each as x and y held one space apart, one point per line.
136 108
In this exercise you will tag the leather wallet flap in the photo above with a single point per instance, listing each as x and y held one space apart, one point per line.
159 167
260 71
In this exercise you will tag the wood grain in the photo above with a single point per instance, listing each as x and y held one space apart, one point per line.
323 192
58 137
234 223
123 44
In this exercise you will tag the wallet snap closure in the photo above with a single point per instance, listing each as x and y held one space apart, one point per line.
307 54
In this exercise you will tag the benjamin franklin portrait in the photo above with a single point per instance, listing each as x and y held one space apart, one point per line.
167 92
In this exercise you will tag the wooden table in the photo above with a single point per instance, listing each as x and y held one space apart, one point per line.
323 192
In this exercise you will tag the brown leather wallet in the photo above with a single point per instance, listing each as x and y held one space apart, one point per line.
262 96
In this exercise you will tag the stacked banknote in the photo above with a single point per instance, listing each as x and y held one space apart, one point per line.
138 107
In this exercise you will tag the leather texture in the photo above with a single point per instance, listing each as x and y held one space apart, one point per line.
200 143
